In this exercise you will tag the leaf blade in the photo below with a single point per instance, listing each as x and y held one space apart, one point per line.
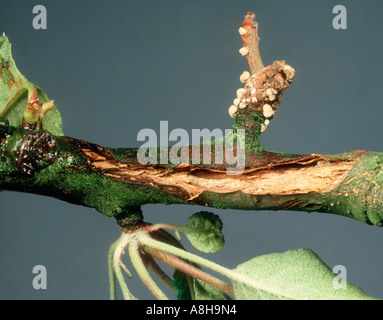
204 231
295 274
14 89
205 291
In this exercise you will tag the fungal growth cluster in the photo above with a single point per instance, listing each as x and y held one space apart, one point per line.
263 86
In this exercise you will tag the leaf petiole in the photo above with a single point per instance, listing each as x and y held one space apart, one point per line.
138 264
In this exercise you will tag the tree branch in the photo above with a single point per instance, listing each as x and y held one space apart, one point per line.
113 181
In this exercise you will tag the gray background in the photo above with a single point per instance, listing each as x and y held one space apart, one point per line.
116 67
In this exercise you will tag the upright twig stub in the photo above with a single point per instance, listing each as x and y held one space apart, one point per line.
257 102
250 40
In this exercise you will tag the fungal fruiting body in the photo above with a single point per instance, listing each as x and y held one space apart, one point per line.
263 127
244 51
271 93
232 111
267 110
244 76
242 31
240 92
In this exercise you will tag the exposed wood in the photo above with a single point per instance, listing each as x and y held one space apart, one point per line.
313 173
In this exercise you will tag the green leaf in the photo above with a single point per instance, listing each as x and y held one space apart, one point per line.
205 291
294 274
181 285
14 89
189 288
204 231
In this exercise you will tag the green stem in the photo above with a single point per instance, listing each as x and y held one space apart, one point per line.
231 274
118 252
146 240
148 260
189 269
112 278
157 226
168 226
135 257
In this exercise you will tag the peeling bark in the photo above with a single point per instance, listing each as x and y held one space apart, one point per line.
314 173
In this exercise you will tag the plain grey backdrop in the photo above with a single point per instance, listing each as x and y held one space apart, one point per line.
116 67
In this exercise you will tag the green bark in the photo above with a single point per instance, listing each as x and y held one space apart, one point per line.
71 178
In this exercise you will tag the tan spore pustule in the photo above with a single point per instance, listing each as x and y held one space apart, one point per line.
244 51
240 92
242 31
232 111
267 111
244 76
271 93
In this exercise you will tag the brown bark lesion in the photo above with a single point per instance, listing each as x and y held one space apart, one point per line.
302 175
